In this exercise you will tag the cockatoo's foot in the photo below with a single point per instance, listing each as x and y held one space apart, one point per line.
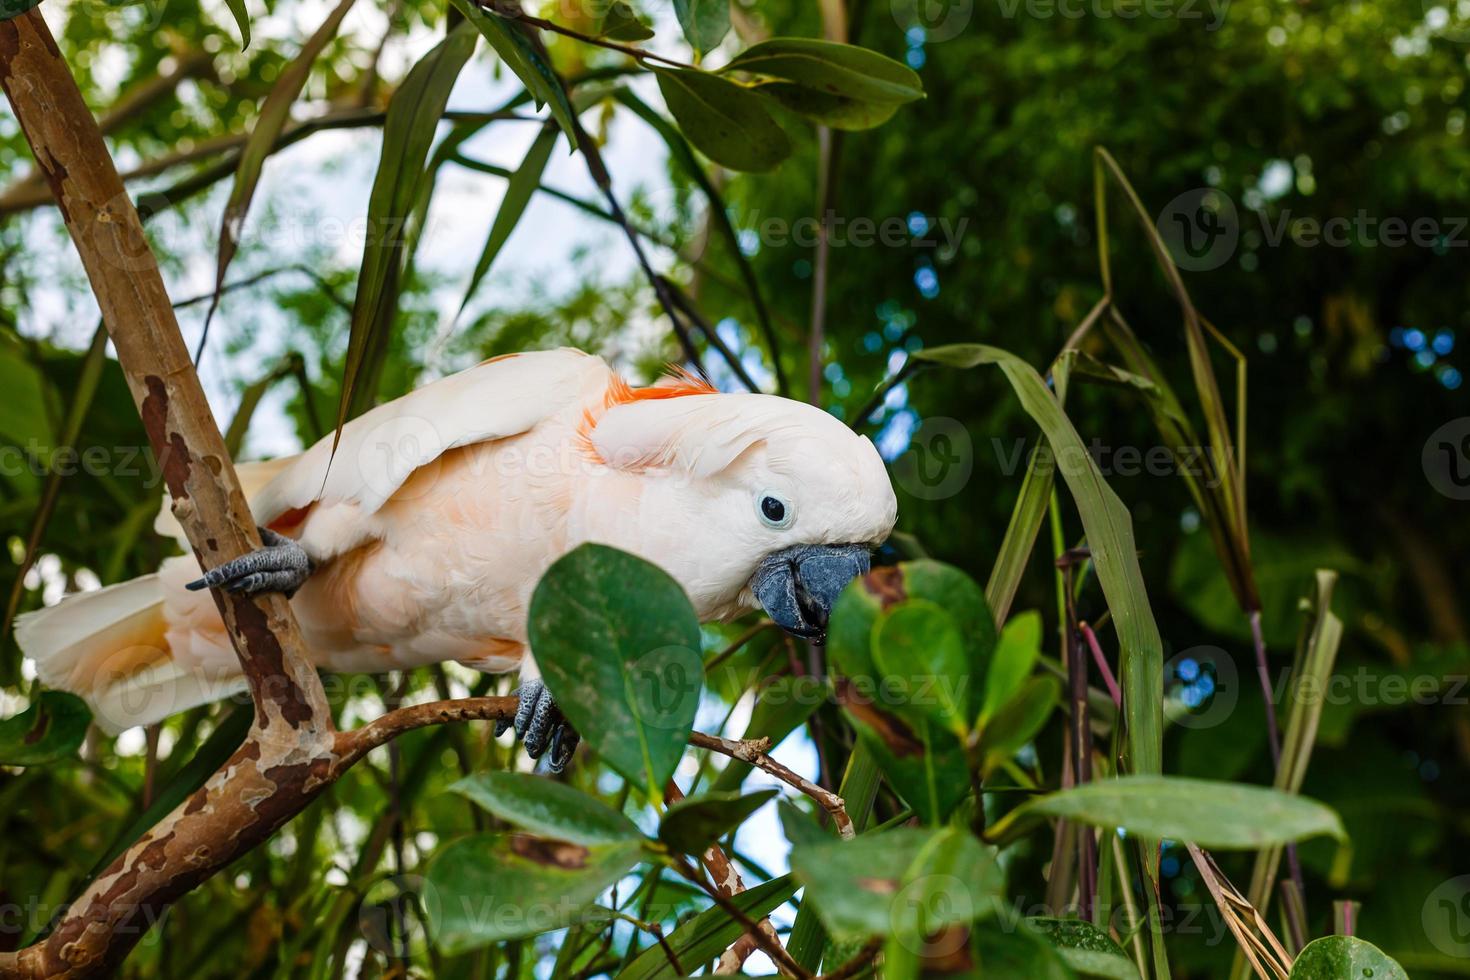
540 726
281 566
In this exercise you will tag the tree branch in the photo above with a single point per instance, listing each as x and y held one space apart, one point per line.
754 752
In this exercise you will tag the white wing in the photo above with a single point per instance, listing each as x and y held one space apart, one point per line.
380 449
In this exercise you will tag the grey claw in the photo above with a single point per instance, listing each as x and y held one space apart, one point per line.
281 566
540 726
563 746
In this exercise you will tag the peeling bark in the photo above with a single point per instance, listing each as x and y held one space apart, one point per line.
293 751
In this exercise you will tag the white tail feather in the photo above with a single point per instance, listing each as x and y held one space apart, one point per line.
109 647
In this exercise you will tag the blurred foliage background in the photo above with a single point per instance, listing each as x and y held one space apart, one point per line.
1293 114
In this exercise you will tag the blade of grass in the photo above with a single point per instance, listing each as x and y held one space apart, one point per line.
413 114
1109 530
1322 635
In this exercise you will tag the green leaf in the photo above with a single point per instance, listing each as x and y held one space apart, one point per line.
522 58
798 827
924 762
1018 721
622 24
827 67
1015 949
1086 948
50 729
548 808
1212 814
917 639
905 882
1016 654
490 887
825 109
1109 531
704 22
727 122
711 932
1344 958
274 114
523 184
618 645
413 115
23 416
242 20
695 822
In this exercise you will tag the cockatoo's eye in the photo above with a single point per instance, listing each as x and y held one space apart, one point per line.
775 510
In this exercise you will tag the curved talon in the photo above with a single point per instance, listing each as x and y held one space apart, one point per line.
281 566
541 727
564 743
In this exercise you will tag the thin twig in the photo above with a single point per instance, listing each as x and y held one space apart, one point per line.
753 751
1102 663
770 947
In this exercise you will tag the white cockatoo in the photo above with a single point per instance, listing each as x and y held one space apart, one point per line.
423 536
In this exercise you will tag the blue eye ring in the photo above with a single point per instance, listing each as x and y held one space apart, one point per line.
775 510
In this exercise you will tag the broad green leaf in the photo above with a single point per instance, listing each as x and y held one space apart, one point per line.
1086 948
413 115
727 122
517 195
1212 814
23 416
709 933
704 22
522 58
242 20
843 70
924 762
617 642
827 109
1015 949
917 639
1345 958
274 114
695 822
799 827
905 882
548 808
622 24
490 887
1109 531
50 729
1018 721
1015 656
25 425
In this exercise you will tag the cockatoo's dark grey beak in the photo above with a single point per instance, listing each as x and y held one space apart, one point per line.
797 586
